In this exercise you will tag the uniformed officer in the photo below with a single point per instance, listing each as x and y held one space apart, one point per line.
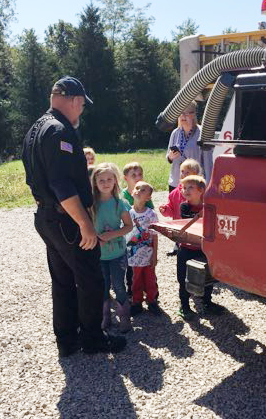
56 172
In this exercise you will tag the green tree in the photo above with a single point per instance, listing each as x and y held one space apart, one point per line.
95 67
7 11
60 41
6 15
5 83
32 84
116 17
229 29
147 82
188 27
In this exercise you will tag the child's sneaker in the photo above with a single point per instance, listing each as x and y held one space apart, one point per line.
186 313
154 308
213 309
136 309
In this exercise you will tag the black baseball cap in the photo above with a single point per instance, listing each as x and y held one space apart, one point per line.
69 86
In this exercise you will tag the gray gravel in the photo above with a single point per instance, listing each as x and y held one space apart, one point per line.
213 368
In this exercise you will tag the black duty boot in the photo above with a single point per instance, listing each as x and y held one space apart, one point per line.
65 350
105 343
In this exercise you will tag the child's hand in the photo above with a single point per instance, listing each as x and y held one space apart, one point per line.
106 237
153 260
162 209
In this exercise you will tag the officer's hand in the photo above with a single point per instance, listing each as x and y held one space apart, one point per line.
89 237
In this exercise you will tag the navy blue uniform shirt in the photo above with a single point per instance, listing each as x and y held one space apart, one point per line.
54 161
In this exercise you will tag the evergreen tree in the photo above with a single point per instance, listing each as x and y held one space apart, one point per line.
5 81
229 29
6 15
95 68
116 17
188 27
32 84
147 82
60 42
130 80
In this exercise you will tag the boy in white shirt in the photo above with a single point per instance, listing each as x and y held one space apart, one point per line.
142 245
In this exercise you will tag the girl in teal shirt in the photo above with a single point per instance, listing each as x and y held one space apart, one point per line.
112 222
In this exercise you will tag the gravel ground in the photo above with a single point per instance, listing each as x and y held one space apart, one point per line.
212 368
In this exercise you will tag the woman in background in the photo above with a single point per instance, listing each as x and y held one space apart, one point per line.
183 145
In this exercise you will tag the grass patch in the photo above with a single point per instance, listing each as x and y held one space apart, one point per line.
13 190
15 193
156 168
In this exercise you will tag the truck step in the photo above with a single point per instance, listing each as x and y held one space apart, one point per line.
198 277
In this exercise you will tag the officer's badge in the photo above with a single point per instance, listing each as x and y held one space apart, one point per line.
64 146
227 184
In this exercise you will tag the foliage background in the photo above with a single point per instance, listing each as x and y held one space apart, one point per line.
130 75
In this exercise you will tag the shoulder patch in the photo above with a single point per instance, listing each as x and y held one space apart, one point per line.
64 146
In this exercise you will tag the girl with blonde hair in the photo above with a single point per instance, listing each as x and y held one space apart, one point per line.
112 221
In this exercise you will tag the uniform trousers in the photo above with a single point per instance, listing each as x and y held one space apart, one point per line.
185 254
77 281
144 280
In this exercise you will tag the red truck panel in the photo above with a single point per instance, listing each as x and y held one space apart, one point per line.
234 222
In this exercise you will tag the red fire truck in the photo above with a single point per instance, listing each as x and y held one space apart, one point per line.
232 229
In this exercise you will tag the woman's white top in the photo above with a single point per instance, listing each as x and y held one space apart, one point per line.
191 151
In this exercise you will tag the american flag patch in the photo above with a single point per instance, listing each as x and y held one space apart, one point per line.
64 146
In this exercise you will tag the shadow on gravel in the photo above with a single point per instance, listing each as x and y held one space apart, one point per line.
94 388
244 295
96 385
242 395
162 333
238 293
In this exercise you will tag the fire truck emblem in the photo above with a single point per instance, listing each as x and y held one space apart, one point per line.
227 184
227 225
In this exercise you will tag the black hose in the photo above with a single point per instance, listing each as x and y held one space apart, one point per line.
237 59
214 105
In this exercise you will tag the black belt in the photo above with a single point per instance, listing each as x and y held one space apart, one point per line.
56 208
52 207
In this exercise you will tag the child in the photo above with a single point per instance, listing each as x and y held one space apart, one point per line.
133 173
172 208
90 157
193 188
108 212
142 247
